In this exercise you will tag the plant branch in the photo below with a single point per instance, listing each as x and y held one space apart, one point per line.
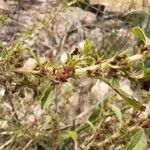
84 71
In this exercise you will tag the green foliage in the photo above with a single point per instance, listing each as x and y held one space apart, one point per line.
71 61
91 125
130 100
126 97
73 135
95 113
88 46
147 74
47 96
138 141
5 52
140 34
115 83
117 112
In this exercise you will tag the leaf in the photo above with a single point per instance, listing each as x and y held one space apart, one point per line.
137 31
138 141
73 135
66 136
129 99
147 74
19 48
69 58
74 63
91 125
5 51
88 61
142 66
87 46
95 114
117 112
47 97
115 83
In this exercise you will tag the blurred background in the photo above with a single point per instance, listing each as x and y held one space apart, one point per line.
52 28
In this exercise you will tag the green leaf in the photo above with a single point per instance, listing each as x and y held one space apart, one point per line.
129 99
117 112
69 58
74 63
5 52
142 66
19 48
87 46
137 31
95 114
147 74
73 135
126 97
91 125
88 61
138 141
115 83
47 97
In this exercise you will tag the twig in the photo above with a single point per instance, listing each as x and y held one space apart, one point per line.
22 70
83 71
6 143
30 142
